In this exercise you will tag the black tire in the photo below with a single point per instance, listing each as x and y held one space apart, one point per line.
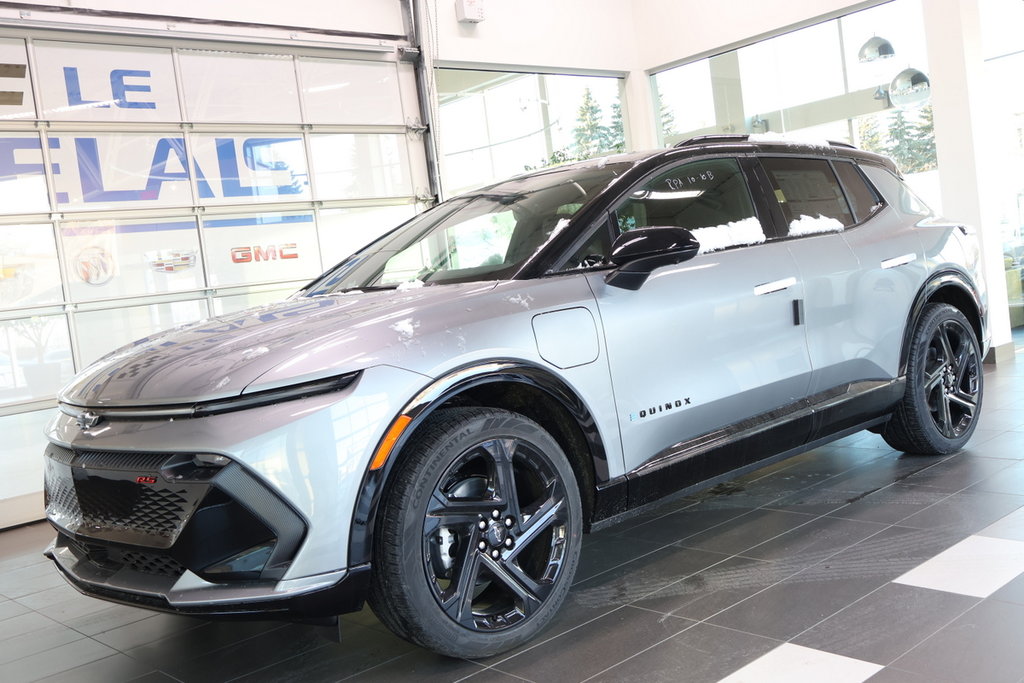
479 534
942 403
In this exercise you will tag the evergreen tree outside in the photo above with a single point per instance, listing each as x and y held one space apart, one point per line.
668 121
590 135
868 136
901 142
924 142
617 130
912 142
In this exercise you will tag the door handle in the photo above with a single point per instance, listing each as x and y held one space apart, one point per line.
776 286
897 261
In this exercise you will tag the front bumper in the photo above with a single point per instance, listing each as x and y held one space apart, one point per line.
182 534
300 599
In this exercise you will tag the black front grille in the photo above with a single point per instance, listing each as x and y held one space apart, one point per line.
118 496
113 558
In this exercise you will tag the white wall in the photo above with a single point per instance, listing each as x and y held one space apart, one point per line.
676 30
371 16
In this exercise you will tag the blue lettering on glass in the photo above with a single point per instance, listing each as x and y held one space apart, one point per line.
120 89
158 173
9 166
170 163
74 90
91 176
258 158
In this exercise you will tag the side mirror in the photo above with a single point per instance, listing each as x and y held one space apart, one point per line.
638 252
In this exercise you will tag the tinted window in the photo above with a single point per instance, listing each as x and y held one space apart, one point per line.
809 194
862 197
708 197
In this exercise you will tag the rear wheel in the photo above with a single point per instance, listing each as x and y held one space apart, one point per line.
479 535
942 403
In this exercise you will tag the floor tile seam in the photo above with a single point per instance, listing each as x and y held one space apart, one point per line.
934 633
53 621
837 612
676 543
681 579
99 633
149 642
40 652
275 663
640 652
698 622
380 664
767 540
533 645
209 652
784 579
152 671
491 668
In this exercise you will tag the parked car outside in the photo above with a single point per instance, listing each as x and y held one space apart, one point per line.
434 423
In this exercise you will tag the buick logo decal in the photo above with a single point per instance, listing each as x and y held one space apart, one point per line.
88 420
95 266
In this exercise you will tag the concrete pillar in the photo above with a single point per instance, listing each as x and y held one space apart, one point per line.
965 152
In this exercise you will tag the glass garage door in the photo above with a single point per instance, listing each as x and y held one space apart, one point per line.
145 185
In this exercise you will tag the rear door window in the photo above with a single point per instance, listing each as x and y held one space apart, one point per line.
809 195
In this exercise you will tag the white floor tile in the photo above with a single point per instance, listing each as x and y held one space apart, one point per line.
977 566
1010 527
790 663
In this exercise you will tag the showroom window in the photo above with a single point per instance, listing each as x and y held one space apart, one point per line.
146 184
861 78
497 124
1003 48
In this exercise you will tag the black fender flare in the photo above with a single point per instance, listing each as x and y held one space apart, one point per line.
947 277
436 394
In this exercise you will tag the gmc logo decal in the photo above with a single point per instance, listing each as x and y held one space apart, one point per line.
268 253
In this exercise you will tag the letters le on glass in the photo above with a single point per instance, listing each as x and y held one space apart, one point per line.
87 82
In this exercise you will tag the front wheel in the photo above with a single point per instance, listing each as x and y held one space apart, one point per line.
479 534
942 403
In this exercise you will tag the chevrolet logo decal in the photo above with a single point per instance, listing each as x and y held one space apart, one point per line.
88 420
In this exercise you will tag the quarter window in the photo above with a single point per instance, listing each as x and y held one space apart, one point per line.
862 197
809 195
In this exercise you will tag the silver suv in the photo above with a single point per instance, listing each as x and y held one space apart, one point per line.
434 423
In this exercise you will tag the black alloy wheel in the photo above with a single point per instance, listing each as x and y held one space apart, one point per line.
489 502
943 397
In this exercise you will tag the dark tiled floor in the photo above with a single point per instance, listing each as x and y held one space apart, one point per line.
803 552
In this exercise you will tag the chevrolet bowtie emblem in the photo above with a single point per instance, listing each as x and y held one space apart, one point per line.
88 419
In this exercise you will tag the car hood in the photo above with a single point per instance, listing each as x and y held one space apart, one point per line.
294 341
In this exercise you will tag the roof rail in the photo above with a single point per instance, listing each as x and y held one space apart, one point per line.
739 137
719 137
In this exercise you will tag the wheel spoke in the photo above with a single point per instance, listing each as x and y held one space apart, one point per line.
945 421
524 588
459 603
965 401
502 451
545 516
933 379
947 349
458 511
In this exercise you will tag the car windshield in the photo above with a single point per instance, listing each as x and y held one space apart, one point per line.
486 235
